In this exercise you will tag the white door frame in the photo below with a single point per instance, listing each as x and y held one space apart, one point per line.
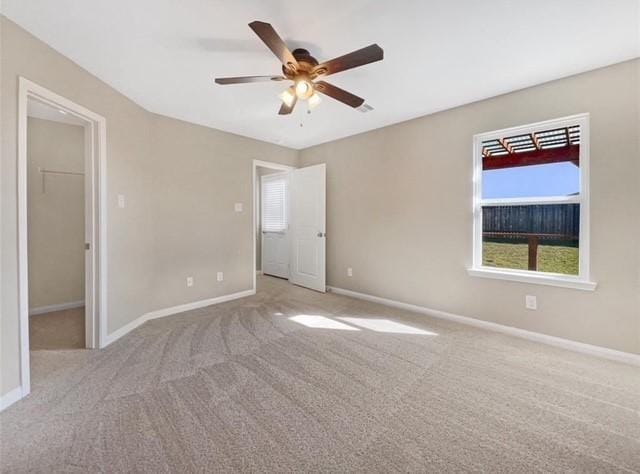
95 220
263 164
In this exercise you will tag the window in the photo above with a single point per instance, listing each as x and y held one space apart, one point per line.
531 203
274 203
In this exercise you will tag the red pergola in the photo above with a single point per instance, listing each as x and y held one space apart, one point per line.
551 146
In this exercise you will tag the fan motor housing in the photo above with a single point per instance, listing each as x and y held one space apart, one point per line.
306 63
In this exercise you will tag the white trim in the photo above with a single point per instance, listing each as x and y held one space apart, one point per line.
97 234
531 201
583 280
89 227
160 313
272 165
539 278
11 397
101 303
254 230
598 351
55 307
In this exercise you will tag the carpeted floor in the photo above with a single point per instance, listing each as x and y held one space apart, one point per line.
294 381
56 330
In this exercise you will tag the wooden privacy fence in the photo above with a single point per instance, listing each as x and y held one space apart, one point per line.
551 222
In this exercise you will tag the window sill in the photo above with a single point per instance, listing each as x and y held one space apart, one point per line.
562 281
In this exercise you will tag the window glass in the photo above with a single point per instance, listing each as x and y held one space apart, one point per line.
542 238
554 179
542 165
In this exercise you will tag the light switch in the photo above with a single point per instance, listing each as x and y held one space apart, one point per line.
121 201
238 207
531 302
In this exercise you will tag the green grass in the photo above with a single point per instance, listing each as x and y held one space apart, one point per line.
551 258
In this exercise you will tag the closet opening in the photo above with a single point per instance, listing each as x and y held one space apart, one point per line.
61 232
56 222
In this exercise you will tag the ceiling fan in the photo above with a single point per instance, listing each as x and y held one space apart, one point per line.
303 69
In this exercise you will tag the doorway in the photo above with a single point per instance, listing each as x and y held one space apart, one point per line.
289 223
264 169
61 225
56 226
274 223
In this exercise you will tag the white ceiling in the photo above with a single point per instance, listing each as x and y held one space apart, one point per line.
438 54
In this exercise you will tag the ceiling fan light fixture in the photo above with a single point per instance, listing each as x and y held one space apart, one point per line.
288 97
304 88
314 101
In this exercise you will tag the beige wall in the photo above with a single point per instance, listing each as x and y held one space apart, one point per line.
200 173
56 215
399 205
163 167
128 162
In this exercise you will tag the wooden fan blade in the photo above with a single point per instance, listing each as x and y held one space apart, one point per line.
285 109
369 54
247 79
339 94
269 36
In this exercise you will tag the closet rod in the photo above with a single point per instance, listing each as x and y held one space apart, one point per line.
45 171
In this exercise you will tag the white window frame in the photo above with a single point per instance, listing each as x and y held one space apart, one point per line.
581 281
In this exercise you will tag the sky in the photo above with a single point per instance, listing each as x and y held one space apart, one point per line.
555 179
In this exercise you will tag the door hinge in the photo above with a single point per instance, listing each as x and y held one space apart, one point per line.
87 246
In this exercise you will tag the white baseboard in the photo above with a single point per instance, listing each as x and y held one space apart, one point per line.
127 328
55 307
10 398
604 352
160 313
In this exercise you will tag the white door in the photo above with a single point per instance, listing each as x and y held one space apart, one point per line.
308 226
274 224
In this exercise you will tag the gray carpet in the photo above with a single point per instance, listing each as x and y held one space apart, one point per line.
57 330
278 382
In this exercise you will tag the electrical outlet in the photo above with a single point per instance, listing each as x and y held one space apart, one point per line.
189 281
238 207
531 302
220 276
121 202
349 272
